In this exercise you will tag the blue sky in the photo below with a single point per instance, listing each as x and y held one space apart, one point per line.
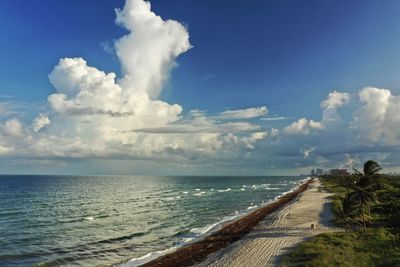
284 55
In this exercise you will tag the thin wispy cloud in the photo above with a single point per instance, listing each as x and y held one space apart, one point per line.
209 77
231 127
6 96
275 118
237 114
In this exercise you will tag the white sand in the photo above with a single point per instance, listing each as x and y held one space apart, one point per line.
279 232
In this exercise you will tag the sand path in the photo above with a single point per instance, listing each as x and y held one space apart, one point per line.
279 232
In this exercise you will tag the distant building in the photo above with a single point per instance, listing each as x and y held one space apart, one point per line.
317 172
338 172
320 172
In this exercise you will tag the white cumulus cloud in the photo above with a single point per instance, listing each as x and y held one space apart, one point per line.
302 126
39 122
148 52
13 128
307 151
378 117
335 100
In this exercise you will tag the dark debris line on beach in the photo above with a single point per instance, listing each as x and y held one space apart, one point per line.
198 252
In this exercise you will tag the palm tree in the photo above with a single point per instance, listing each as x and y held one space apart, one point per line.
370 174
371 167
346 213
347 182
363 197
369 179
361 189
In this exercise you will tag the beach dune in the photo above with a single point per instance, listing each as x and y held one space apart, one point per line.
307 215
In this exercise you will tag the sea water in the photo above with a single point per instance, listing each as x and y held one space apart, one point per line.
103 220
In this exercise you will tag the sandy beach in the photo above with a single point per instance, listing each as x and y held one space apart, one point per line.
199 251
279 232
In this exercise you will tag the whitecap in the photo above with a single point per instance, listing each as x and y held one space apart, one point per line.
226 190
89 218
202 230
146 258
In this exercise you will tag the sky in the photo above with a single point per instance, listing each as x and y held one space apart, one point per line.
173 87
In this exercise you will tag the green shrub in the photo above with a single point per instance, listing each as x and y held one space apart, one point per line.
376 247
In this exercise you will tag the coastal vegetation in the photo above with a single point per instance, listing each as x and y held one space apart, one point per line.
367 205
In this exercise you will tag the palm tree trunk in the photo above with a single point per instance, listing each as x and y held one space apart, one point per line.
363 218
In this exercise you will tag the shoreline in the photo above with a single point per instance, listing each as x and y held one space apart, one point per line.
279 233
199 250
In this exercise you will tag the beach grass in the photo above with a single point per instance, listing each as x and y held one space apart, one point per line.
375 247
379 245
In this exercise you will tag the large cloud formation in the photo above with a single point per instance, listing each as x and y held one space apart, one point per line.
378 118
96 115
148 52
369 132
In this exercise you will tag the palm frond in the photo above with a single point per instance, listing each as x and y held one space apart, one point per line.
371 167
357 171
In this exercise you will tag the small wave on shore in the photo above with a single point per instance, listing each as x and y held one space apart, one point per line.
185 238
146 258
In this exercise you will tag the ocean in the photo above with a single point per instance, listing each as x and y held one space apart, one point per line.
104 220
